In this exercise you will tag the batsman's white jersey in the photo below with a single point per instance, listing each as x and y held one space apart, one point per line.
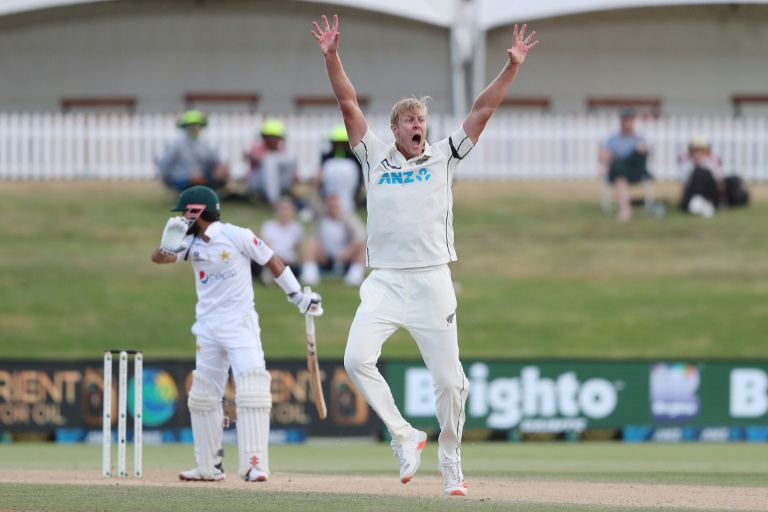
410 242
223 268
227 326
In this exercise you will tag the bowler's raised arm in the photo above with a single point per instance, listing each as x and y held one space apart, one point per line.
354 120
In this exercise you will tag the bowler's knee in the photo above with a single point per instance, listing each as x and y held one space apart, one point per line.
452 385
354 361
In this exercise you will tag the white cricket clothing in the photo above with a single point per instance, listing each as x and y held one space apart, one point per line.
339 177
284 239
227 327
204 402
232 341
423 301
223 269
333 236
254 402
410 205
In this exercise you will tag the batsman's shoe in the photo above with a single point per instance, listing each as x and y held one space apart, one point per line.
453 480
194 475
409 454
255 475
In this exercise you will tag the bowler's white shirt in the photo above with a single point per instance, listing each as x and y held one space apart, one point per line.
410 204
223 269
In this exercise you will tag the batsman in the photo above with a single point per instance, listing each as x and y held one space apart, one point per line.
409 245
227 331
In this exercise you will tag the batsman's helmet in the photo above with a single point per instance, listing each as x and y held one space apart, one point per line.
199 197
339 134
273 128
192 117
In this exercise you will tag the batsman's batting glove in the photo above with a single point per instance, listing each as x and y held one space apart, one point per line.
173 236
307 302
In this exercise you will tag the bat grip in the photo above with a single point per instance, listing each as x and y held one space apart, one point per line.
310 321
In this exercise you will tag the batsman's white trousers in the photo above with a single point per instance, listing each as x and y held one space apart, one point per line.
423 302
232 340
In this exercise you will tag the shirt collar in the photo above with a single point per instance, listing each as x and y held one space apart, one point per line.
394 153
213 230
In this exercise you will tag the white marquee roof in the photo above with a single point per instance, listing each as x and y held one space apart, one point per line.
490 13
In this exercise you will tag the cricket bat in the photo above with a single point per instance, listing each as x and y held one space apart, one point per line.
312 364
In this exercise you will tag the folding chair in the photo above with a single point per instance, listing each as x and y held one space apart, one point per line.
607 202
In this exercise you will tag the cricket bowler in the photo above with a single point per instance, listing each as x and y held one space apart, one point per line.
409 245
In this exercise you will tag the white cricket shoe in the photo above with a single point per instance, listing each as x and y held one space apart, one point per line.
409 454
255 475
453 480
440 467
194 475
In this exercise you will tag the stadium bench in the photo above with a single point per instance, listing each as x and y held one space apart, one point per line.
651 105
127 103
251 99
530 102
307 103
739 100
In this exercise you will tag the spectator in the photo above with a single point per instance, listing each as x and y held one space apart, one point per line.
337 245
701 177
284 234
340 171
623 162
190 161
272 168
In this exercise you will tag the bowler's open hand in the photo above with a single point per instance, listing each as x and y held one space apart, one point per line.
328 38
520 45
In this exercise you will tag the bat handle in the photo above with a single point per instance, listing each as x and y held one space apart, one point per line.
310 321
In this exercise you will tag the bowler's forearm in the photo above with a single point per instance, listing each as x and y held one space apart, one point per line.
340 83
492 96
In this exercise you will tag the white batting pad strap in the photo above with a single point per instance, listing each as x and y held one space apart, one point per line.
207 422
254 402
288 282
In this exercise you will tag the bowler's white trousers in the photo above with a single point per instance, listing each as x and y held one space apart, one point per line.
423 302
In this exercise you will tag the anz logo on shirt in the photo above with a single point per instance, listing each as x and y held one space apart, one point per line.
403 178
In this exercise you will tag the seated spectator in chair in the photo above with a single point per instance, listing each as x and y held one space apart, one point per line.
702 179
191 161
623 159
337 245
284 234
273 169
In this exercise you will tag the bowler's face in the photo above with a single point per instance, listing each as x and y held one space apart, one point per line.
410 132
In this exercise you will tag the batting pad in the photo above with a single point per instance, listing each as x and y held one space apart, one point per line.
207 422
254 402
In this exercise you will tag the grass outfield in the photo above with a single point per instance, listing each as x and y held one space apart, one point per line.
542 273
733 465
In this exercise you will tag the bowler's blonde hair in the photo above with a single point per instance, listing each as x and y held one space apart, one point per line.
406 104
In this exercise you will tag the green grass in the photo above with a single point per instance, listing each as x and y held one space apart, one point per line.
732 464
695 464
78 498
542 273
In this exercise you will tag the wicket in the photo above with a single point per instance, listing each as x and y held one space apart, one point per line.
122 404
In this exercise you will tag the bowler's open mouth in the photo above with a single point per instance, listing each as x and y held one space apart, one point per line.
416 139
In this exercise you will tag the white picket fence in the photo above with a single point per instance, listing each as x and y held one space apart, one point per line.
54 146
